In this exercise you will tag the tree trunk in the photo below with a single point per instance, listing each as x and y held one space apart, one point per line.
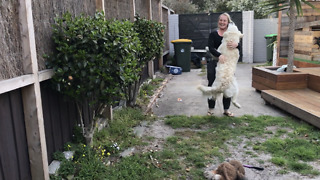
292 24
134 90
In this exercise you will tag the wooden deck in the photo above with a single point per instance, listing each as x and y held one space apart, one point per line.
311 70
303 103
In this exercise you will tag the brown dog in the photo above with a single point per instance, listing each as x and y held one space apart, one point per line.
232 170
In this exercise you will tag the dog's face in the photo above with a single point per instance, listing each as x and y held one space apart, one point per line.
232 34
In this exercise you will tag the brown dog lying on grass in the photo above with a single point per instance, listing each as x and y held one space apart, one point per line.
232 170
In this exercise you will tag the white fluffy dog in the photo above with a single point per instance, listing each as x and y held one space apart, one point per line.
225 81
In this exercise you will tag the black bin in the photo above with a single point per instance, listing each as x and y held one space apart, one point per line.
182 53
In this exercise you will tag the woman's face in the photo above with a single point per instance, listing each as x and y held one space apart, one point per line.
223 22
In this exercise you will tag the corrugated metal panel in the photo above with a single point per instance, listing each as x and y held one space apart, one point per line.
14 158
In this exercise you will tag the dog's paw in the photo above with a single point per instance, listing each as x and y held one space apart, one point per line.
217 177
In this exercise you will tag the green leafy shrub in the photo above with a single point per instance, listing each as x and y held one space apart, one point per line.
94 62
94 58
151 35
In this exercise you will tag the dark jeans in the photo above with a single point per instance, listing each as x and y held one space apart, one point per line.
211 76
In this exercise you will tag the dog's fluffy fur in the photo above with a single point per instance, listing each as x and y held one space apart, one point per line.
232 170
225 81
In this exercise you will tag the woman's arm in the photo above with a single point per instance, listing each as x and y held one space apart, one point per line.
211 45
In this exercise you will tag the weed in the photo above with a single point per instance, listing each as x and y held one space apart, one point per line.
278 161
58 155
135 167
67 168
147 90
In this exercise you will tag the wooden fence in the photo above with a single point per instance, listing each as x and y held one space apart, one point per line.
310 18
36 121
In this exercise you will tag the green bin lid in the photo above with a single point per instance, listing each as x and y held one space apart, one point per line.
181 40
271 35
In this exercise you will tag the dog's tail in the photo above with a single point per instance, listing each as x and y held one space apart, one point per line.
236 104
205 90
234 101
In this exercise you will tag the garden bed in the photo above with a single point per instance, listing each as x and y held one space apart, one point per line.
264 78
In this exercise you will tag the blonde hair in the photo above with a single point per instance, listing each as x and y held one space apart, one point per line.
228 16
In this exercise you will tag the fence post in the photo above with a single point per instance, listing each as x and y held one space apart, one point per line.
133 10
100 5
32 96
150 63
161 20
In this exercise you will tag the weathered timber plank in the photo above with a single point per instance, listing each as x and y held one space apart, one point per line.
308 53
303 38
301 56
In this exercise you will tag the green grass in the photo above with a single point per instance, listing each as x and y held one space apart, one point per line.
147 90
304 60
199 141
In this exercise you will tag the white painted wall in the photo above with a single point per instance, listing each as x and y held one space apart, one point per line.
247 40
262 27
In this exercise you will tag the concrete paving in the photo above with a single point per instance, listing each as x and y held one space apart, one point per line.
181 96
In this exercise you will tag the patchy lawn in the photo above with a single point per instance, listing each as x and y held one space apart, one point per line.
181 147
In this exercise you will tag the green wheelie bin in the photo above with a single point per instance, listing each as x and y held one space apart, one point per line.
271 38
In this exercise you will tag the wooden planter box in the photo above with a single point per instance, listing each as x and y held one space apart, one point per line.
264 78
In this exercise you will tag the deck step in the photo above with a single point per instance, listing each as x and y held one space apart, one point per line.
302 103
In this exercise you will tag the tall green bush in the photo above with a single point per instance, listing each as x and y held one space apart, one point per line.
99 61
151 35
95 59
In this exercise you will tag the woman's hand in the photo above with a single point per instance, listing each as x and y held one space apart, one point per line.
222 59
232 45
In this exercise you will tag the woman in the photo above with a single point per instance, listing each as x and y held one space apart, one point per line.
214 42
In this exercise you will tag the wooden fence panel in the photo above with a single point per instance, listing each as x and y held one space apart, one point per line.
142 8
156 6
118 9
165 22
44 13
60 117
14 150
10 48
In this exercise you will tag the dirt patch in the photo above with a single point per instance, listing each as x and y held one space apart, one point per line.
180 97
158 132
